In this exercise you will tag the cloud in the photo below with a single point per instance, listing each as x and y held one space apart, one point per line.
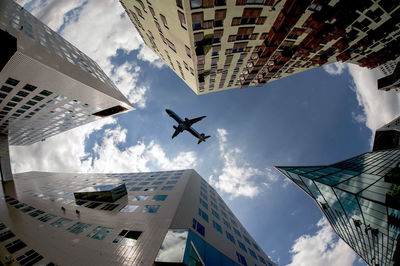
146 54
65 152
379 107
125 77
335 68
237 177
359 118
323 248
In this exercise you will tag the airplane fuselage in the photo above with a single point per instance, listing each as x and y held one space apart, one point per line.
184 124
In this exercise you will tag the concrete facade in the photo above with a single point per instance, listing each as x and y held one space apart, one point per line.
47 85
39 210
225 44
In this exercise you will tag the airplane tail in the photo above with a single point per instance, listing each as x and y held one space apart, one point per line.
203 138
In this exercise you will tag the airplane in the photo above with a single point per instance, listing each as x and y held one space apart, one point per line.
186 125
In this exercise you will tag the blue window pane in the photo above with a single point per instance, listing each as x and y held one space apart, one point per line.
167 187
136 189
151 208
159 197
140 198
200 229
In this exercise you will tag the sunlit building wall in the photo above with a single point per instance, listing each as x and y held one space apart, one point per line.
150 219
47 85
360 197
216 45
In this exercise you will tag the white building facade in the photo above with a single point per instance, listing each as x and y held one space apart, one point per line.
166 217
47 85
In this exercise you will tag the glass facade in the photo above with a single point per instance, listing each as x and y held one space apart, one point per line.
360 197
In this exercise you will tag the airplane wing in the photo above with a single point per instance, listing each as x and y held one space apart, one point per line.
195 120
176 133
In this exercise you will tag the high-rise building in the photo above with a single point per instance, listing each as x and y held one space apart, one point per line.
151 218
391 81
47 85
388 136
216 45
360 197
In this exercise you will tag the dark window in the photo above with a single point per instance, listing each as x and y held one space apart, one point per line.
179 3
45 93
12 82
164 20
38 98
5 88
11 104
109 207
2 95
16 99
22 93
15 246
127 238
29 87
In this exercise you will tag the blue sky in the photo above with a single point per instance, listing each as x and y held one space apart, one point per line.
316 117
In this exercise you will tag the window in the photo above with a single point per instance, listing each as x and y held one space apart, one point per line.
159 198
99 233
12 82
179 3
45 92
109 207
144 183
217 227
127 238
216 215
217 36
252 253
241 259
15 246
151 189
182 19
203 215
153 13
164 20
171 45
150 208
247 240
36 213
195 4
157 183
61 222
237 232
172 181
29 87
242 246
219 17
136 189
256 247
167 187
47 217
78 228
27 209
197 20
129 208
22 93
140 198
6 88
204 204
198 227
226 223
188 52
230 237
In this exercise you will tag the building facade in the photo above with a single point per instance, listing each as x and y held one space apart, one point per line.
47 85
360 197
216 45
388 136
165 217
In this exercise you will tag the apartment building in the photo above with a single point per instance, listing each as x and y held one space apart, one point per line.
215 45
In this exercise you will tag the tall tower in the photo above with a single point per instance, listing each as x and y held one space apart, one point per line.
47 85
360 197
216 45
131 218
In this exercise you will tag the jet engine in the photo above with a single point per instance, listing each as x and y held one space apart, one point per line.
175 127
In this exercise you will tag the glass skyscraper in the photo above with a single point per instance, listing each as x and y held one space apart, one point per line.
360 197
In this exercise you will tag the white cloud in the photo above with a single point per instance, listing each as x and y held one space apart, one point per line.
237 177
146 54
100 35
125 77
358 118
66 153
335 68
323 248
380 107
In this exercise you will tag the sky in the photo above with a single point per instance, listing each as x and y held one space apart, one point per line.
317 117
